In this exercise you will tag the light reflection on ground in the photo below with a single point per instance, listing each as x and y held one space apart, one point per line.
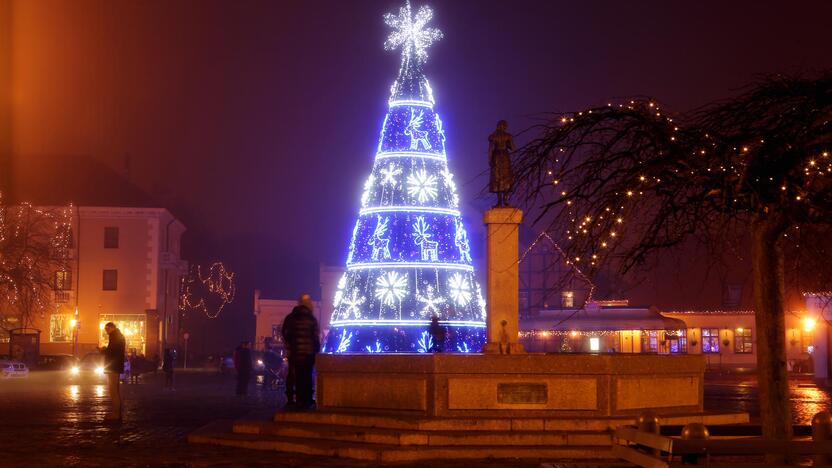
740 394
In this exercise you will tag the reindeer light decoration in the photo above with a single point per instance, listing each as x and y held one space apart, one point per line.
421 237
414 131
380 244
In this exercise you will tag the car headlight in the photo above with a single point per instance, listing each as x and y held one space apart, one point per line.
99 370
74 370
259 362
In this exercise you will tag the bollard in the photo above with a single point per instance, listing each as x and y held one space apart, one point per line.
694 431
648 421
822 432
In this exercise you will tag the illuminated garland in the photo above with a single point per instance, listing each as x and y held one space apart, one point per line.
219 283
578 272
708 312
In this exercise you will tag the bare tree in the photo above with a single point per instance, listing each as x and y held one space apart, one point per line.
620 183
34 245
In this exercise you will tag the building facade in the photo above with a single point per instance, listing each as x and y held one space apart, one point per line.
125 268
269 313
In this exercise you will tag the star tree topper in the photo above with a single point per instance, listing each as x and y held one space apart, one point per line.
410 33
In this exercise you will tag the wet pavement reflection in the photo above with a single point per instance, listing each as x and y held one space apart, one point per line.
735 393
51 420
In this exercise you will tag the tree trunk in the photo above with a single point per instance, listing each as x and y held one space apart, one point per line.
769 307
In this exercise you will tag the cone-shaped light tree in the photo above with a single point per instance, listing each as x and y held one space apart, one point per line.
409 258
618 183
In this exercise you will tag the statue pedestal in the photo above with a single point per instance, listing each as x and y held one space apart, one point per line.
502 281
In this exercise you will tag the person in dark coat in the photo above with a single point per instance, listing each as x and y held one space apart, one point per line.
167 368
302 339
437 333
242 362
114 367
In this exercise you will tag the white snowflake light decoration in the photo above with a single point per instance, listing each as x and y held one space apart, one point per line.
391 287
431 302
389 174
422 185
352 304
460 289
409 32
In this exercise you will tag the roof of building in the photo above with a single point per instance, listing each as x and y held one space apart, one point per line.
601 319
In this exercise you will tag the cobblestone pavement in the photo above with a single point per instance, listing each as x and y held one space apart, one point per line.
47 420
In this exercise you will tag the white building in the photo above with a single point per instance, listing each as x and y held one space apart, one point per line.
125 268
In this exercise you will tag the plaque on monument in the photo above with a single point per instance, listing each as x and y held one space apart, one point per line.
522 393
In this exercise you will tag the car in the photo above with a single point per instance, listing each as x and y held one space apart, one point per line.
91 367
56 362
13 369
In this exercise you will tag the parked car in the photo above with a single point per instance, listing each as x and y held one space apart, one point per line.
13 369
56 362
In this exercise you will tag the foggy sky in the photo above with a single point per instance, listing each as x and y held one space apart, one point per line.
256 122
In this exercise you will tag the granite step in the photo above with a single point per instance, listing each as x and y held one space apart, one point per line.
219 433
410 437
416 423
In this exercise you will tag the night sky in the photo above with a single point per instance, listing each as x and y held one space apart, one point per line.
256 122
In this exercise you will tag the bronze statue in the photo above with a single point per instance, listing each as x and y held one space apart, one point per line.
500 144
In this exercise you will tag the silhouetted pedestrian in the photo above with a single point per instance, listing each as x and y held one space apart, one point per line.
113 368
301 336
167 368
437 333
242 362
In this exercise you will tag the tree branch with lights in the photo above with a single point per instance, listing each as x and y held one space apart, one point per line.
34 245
208 293
618 184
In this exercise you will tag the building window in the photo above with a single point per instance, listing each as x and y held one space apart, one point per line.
649 341
710 340
63 280
567 299
132 326
594 344
677 341
60 329
110 280
110 237
743 342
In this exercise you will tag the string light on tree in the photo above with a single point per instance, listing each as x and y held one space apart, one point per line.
410 256
208 293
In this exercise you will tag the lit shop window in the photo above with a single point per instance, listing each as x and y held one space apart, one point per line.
743 341
710 340
567 299
132 326
594 343
60 328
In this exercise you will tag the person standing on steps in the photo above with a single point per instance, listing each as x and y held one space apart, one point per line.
113 368
302 339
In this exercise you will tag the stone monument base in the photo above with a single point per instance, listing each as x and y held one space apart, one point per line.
396 408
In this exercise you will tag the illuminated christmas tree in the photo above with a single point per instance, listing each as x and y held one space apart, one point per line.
409 258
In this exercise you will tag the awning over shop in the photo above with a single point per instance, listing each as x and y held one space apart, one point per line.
601 319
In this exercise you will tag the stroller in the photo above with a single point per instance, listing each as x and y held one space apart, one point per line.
274 372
